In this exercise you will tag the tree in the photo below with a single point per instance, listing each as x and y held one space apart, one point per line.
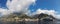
24 16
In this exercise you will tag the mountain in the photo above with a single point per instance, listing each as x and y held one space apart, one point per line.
42 15
20 18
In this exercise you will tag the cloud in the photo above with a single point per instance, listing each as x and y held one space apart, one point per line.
49 12
16 6
39 11
57 16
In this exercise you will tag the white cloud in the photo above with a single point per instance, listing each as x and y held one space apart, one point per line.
49 12
57 16
16 6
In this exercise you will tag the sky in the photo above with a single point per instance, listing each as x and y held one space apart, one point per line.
47 5
43 4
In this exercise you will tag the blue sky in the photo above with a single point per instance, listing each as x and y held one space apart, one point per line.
42 4
3 3
47 4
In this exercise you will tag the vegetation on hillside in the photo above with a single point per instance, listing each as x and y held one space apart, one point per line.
21 16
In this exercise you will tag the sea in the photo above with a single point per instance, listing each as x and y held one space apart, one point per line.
31 22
